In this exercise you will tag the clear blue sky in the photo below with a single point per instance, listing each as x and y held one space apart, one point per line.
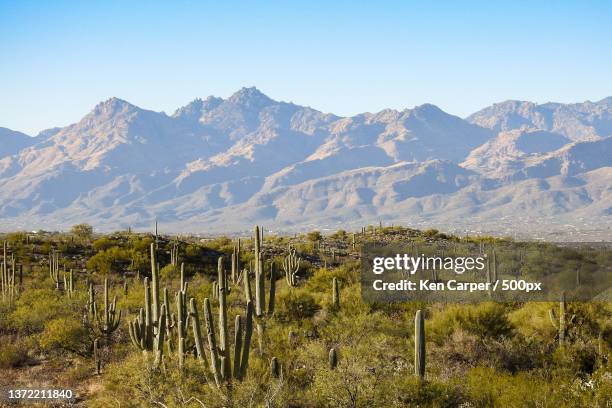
58 59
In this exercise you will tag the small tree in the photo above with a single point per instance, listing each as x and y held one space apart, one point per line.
83 231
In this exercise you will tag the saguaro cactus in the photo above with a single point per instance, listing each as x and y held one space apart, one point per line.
494 262
69 284
9 289
561 322
236 267
260 297
181 325
291 266
4 274
197 333
96 356
223 327
154 283
333 358
91 302
335 293
110 321
220 363
174 252
272 296
146 331
220 352
419 345
54 269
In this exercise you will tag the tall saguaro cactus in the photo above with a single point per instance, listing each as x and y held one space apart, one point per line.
561 322
335 293
223 328
494 264
110 320
9 288
148 329
54 269
182 318
96 356
174 252
69 284
154 283
419 345
271 298
236 267
91 302
291 266
260 297
220 355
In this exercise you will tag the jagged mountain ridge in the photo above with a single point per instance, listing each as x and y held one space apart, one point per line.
578 121
222 164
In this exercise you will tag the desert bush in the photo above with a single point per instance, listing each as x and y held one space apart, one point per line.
409 391
169 272
103 243
296 305
65 334
484 320
489 388
576 357
36 307
12 354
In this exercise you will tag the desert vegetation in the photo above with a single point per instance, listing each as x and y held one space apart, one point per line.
143 319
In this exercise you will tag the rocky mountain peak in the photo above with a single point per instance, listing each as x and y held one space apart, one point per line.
250 98
112 107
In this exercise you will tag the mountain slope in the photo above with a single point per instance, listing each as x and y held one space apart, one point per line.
12 142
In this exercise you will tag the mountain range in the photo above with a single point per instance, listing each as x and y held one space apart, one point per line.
222 165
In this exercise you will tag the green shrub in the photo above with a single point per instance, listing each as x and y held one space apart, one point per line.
102 244
65 334
296 305
35 307
169 273
484 320
12 354
489 388
109 260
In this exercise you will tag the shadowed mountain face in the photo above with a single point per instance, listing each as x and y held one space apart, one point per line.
223 164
